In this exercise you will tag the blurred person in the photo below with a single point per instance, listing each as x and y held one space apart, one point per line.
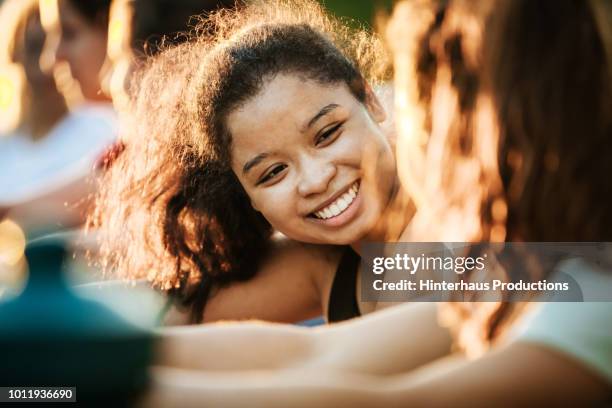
30 109
33 154
46 183
483 68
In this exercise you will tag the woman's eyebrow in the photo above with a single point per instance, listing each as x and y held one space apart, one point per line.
253 162
326 109
257 159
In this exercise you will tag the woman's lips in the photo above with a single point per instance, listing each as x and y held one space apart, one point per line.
343 216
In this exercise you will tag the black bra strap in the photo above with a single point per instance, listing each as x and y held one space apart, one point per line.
343 296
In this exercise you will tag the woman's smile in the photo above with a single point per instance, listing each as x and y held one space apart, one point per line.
340 209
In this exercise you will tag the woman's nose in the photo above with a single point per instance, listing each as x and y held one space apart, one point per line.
315 178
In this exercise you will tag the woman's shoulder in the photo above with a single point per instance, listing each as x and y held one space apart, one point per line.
580 330
290 285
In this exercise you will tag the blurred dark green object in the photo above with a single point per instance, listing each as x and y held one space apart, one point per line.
361 12
51 337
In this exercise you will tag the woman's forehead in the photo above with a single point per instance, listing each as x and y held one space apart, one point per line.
286 103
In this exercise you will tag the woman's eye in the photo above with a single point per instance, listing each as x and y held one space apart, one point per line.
328 134
272 173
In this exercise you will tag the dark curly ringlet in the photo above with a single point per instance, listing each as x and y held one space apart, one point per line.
171 209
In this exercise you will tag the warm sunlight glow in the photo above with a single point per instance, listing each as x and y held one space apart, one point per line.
48 13
409 21
12 243
11 80
7 92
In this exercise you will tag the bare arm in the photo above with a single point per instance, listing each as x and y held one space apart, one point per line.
390 341
518 375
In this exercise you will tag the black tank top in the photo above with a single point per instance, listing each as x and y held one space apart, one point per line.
343 295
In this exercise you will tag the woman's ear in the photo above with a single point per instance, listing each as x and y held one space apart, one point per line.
373 105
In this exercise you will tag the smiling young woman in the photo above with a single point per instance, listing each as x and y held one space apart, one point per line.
268 125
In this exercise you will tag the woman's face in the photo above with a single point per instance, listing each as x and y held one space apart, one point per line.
82 45
313 159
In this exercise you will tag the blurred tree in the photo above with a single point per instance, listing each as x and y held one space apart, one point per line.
360 12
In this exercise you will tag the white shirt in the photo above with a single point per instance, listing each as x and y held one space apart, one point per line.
581 330
68 153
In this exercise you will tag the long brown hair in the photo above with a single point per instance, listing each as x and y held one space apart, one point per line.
171 209
541 68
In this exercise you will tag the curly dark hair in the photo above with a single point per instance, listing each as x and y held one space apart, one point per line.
543 65
171 209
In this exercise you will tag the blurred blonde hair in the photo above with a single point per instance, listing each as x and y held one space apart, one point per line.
14 15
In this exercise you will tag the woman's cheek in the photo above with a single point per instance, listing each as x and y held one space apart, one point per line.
348 149
275 206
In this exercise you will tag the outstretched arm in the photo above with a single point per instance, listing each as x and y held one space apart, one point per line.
520 374
390 341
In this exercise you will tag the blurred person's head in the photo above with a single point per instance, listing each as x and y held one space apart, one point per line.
551 90
30 100
518 96
142 28
78 36
519 111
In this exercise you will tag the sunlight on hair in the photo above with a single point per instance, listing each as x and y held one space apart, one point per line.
409 22
118 27
49 13
7 92
11 83
12 76
119 60
602 11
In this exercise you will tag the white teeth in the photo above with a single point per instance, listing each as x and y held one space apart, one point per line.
341 204
335 209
